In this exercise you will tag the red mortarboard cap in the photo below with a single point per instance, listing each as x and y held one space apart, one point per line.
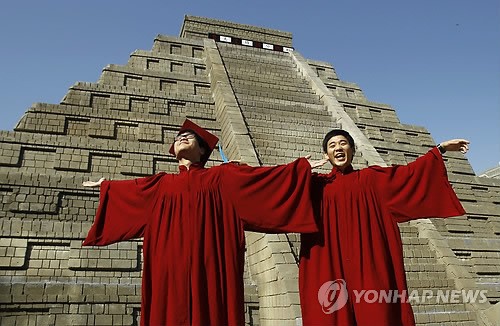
210 139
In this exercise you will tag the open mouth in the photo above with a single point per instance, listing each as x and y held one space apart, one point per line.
340 156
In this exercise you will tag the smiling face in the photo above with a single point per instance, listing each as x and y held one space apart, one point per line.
339 152
186 146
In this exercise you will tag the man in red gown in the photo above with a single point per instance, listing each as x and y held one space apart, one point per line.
192 224
359 245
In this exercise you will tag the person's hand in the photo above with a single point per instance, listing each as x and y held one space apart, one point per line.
93 183
456 145
236 162
315 164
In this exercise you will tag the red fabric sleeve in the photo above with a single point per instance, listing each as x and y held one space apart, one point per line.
418 190
271 199
124 209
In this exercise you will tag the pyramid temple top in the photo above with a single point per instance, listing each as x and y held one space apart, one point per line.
201 27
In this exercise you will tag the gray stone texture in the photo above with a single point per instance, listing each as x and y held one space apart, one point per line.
268 108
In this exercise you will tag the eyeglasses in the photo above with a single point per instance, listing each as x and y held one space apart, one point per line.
187 136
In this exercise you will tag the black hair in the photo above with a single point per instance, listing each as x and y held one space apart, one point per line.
337 132
201 142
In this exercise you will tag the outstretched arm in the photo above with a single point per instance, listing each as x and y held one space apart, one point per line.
271 199
421 188
124 209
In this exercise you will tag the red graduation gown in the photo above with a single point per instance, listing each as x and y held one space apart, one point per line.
192 224
359 240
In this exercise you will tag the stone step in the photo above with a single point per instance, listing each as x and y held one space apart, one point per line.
243 53
260 66
296 100
154 113
292 111
414 241
300 86
435 267
306 108
290 118
448 318
279 62
407 231
421 284
432 304
295 81
302 130
287 147
282 63
285 133
490 282
283 95
425 275
265 73
290 153
314 139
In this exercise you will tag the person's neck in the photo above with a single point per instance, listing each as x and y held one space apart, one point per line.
187 162
344 168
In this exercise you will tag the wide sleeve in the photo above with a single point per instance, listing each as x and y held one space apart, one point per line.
124 209
418 190
271 199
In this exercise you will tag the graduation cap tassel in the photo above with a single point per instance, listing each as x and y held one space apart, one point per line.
224 158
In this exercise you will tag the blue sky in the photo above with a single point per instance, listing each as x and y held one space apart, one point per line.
436 62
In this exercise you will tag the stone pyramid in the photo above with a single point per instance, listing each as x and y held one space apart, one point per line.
269 105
